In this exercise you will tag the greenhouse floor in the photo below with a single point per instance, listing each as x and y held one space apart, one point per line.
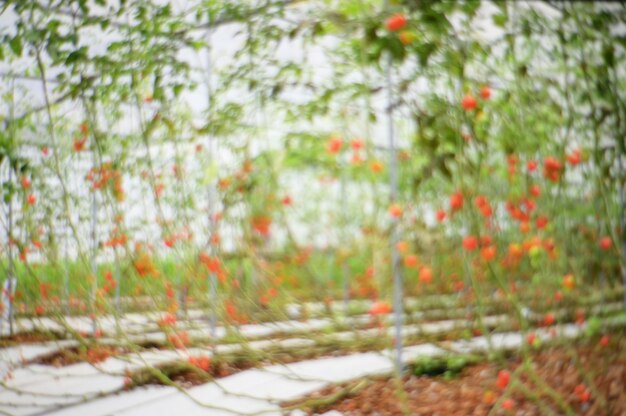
102 387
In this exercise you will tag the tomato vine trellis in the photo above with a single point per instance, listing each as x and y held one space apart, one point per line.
135 96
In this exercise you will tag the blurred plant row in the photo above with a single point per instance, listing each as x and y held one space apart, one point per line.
268 168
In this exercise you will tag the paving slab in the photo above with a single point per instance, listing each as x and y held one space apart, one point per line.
37 374
15 399
26 352
266 385
23 410
212 403
410 354
336 369
115 403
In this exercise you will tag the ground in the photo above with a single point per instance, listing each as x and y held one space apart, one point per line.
475 391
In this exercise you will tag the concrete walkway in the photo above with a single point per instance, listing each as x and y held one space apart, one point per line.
85 389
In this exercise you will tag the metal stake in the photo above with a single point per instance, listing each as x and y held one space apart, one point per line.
11 265
622 222
393 183
94 250
212 279
66 276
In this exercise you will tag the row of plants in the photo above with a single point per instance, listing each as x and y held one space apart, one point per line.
333 150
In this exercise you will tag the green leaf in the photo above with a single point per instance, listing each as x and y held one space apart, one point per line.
471 7
594 326
424 51
115 46
76 56
500 19
16 45
53 25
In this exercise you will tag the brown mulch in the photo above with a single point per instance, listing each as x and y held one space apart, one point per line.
590 378
74 355
196 371
27 338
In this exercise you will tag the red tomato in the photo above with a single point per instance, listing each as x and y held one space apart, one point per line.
541 222
606 243
376 166
357 144
503 379
535 190
486 210
456 201
480 201
575 157
604 341
426 275
508 404
568 281
488 253
410 260
334 145
470 243
396 22
485 92
552 169
79 144
524 227
395 210
402 246
380 308
469 103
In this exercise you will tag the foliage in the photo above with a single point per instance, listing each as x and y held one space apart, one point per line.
135 167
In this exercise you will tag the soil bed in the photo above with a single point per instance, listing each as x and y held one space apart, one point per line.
33 337
196 371
74 355
574 373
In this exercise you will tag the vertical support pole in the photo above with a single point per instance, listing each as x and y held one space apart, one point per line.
622 219
212 279
180 312
66 249
11 273
213 301
118 277
346 287
345 282
393 185
66 271
94 251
